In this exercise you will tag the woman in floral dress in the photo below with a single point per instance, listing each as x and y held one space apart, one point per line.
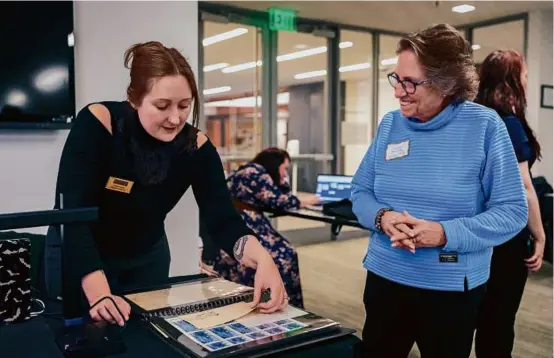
262 183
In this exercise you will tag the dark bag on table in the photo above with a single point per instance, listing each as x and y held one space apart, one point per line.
341 209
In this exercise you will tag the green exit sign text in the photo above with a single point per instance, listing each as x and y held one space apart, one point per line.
281 19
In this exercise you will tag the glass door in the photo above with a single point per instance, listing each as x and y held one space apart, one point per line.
232 78
302 113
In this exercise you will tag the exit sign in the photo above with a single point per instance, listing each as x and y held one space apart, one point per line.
281 19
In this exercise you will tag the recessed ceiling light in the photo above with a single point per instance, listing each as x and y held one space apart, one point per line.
300 46
300 76
217 90
356 67
282 99
224 36
389 61
310 52
345 44
475 46
241 67
285 57
463 8
215 66
300 54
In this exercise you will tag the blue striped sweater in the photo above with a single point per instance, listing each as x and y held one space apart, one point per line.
461 171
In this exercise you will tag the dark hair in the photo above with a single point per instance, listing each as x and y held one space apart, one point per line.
150 60
446 58
500 88
271 159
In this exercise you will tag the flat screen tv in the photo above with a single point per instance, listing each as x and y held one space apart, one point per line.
36 62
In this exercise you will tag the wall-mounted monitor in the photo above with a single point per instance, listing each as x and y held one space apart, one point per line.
37 63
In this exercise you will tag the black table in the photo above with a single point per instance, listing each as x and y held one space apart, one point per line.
36 339
336 222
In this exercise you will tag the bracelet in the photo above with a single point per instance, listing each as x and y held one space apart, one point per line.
378 218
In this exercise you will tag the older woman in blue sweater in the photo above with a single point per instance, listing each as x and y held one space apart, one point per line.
439 187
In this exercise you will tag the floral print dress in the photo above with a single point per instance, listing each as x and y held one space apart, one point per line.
251 184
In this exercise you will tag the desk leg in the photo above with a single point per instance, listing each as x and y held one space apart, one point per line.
294 178
335 231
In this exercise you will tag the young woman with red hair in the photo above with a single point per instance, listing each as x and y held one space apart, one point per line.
502 87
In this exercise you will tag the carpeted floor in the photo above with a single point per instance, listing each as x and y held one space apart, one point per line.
333 279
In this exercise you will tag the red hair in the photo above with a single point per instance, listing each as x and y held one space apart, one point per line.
150 60
501 89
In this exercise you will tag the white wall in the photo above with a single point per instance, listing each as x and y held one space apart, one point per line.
103 31
539 59
29 166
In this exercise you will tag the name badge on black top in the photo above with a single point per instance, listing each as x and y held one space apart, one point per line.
121 185
448 258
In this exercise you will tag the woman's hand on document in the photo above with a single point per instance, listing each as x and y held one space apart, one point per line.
267 276
251 253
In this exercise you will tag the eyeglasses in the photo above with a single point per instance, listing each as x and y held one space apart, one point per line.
409 86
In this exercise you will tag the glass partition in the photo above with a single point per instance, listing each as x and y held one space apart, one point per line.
356 76
232 85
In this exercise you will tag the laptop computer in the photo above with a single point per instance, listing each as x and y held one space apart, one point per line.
331 188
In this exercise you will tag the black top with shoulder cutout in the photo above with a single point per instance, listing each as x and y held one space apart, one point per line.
135 180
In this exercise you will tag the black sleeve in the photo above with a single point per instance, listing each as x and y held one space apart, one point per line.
519 139
222 221
80 182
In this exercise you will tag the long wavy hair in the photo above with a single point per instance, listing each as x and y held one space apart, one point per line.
271 159
501 88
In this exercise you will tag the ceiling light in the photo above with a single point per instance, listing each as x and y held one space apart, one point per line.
215 66
282 99
224 36
242 66
301 76
356 67
216 90
300 46
300 54
346 44
285 57
476 47
389 61
463 8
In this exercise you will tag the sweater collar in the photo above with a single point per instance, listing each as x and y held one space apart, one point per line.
441 119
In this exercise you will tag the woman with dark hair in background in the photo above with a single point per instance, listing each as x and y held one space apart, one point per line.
503 80
262 183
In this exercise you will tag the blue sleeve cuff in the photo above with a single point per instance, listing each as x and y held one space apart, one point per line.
451 233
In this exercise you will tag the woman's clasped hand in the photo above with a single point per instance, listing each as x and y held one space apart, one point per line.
408 232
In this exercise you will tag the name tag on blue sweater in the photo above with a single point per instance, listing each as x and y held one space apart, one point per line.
397 150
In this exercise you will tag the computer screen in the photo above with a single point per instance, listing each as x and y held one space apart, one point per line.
333 187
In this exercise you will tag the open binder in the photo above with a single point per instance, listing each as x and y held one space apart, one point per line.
253 335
